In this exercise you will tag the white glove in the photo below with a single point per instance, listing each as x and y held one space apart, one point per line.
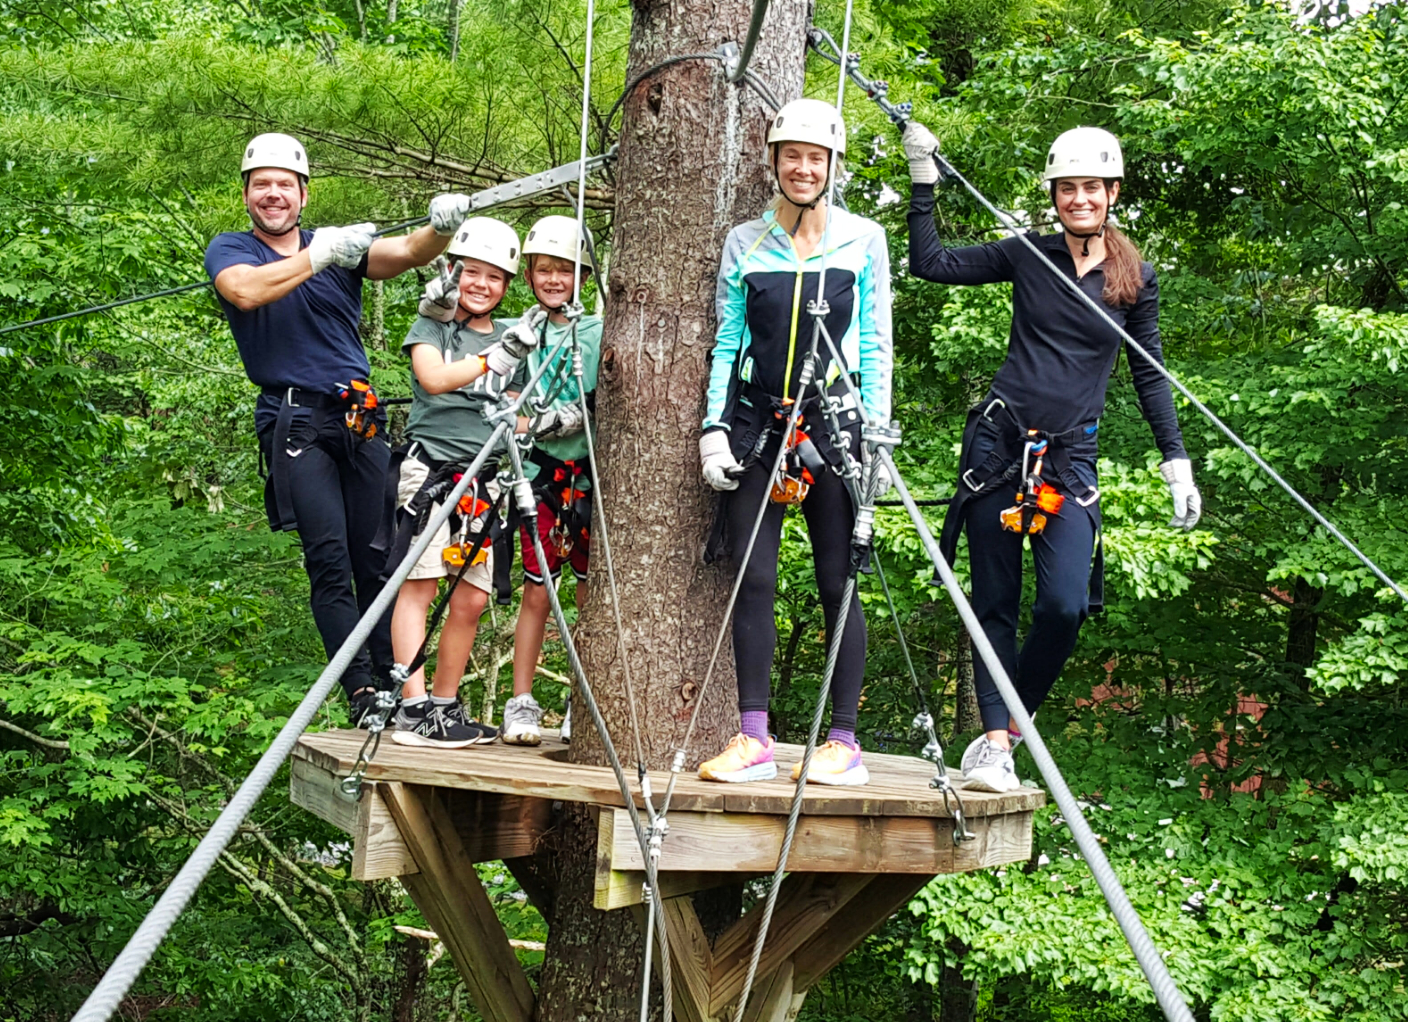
442 291
557 422
522 337
447 212
721 468
498 359
920 145
344 246
1187 501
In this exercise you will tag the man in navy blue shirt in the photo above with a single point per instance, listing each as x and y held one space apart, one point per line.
293 299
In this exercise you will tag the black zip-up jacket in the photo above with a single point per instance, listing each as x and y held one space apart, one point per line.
1060 354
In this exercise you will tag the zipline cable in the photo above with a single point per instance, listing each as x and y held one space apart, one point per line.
105 307
899 114
107 995
655 923
755 29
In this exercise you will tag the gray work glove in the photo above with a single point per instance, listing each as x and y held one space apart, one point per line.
442 291
1187 501
498 360
557 422
447 212
522 337
344 246
920 145
721 468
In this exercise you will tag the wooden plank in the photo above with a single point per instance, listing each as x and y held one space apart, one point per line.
621 889
448 892
899 784
497 826
314 788
1001 840
807 901
691 960
377 849
751 843
882 897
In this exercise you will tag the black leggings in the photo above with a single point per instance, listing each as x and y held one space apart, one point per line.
830 518
337 484
1061 554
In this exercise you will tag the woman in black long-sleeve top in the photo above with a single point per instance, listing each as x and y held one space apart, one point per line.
1045 403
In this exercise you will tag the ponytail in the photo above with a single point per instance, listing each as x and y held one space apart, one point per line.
1124 269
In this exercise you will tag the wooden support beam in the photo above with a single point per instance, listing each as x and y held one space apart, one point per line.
617 889
806 903
691 960
1001 840
377 849
773 998
448 892
751 843
883 896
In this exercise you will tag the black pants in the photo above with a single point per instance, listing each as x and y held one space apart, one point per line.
337 484
830 519
1062 555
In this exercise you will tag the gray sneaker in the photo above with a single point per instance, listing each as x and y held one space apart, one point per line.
523 718
987 766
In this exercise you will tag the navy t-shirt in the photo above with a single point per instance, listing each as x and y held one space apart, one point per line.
308 338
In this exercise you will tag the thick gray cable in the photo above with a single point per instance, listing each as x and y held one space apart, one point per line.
750 42
832 652
1016 231
1170 1000
584 688
112 988
128 965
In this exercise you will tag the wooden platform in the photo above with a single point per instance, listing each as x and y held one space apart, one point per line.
426 815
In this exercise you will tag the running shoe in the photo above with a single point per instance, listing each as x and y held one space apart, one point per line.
744 759
523 718
987 766
427 726
457 713
835 763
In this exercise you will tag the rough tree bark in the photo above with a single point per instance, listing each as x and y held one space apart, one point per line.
691 166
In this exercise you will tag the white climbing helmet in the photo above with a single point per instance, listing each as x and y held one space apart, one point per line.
1084 152
809 120
275 150
488 240
555 236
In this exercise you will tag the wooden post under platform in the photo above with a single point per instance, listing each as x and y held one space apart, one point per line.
860 855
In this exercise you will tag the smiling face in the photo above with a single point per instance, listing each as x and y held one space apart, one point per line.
550 277
482 287
801 170
274 198
1083 203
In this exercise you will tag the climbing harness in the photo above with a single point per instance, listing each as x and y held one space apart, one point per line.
361 402
1035 498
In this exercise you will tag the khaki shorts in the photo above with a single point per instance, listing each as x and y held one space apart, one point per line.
432 563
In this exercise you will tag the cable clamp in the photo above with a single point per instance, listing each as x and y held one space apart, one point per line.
574 310
818 308
881 434
677 764
923 721
730 55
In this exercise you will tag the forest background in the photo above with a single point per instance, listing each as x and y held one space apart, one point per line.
1235 721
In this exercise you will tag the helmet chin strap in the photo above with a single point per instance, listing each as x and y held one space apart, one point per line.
1085 249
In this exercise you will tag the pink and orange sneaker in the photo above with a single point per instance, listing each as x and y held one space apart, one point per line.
744 759
835 763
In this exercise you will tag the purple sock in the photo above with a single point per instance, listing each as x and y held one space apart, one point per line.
847 737
755 724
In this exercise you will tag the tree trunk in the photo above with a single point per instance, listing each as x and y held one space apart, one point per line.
692 165
453 29
965 711
1302 626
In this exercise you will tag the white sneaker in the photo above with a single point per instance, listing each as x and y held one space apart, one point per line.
522 719
566 729
987 766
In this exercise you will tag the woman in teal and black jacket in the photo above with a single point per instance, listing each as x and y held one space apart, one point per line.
769 276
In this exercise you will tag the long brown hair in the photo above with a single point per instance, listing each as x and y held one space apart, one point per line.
1124 266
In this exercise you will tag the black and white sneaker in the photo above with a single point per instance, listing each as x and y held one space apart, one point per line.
426 725
362 707
456 713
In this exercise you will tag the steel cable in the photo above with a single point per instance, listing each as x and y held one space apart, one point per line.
755 29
